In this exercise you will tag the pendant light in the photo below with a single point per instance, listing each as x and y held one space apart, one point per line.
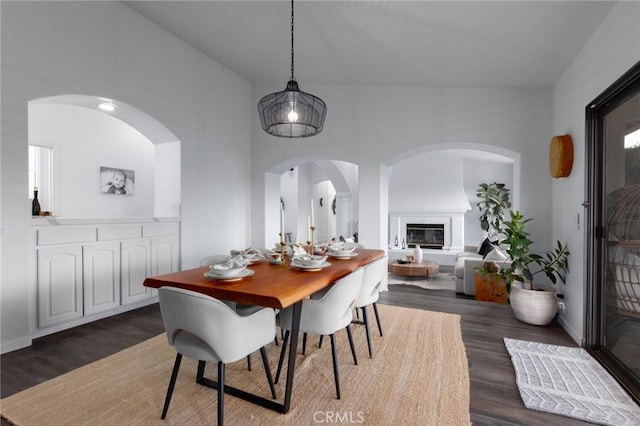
292 113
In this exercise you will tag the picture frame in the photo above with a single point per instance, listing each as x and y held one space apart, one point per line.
117 181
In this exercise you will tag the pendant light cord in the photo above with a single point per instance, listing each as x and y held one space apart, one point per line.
292 75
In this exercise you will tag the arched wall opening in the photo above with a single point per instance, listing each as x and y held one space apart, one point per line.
438 183
330 186
88 143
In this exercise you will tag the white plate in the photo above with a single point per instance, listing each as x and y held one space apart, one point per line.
310 267
343 256
242 274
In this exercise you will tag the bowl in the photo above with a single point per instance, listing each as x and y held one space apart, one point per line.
231 267
309 260
227 272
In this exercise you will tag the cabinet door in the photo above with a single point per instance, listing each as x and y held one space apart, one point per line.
59 282
101 273
135 266
164 255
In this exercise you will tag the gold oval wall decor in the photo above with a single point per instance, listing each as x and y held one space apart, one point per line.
560 156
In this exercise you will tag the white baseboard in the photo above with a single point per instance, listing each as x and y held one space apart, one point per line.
14 345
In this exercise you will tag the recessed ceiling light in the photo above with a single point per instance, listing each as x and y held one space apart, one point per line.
107 106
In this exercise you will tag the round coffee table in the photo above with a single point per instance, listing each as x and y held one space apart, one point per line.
425 268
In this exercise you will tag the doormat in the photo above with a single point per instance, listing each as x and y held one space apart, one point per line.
569 382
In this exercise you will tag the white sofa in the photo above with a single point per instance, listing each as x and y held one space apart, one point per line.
464 269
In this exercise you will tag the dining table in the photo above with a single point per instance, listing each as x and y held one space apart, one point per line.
276 286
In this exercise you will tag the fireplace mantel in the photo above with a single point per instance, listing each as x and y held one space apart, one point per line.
453 221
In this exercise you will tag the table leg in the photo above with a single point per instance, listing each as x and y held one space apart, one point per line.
293 348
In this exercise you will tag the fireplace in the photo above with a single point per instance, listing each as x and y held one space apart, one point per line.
446 227
427 235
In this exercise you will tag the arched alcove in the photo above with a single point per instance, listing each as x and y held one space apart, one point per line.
438 183
300 180
84 139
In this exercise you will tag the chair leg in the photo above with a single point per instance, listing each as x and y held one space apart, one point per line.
353 348
335 364
320 341
375 310
200 373
249 362
304 343
366 330
172 383
267 369
220 393
285 340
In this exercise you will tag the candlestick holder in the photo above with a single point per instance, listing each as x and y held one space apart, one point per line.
311 251
282 250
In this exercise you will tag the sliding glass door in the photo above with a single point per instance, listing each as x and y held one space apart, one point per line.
613 275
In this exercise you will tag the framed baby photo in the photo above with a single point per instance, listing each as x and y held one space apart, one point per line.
117 181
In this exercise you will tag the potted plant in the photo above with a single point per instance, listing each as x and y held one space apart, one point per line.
494 202
530 304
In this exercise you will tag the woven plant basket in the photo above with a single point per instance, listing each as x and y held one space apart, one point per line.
536 307
623 248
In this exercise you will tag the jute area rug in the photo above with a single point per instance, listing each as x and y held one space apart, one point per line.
418 376
568 381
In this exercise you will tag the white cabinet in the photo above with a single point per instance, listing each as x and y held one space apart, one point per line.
59 278
101 276
135 267
89 271
164 255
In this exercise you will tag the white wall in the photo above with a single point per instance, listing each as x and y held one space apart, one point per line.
431 181
106 49
612 50
84 140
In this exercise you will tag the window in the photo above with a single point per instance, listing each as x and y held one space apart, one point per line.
40 165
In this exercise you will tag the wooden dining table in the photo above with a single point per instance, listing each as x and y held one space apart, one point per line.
271 286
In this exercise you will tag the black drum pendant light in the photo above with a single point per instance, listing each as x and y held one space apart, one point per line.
292 113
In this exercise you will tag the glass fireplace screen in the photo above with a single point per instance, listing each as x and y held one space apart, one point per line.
426 235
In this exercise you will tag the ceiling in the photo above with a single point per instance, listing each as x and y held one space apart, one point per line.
433 43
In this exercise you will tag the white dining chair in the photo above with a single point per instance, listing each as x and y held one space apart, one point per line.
241 309
324 316
373 282
207 330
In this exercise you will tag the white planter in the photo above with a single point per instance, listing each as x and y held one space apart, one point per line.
532 306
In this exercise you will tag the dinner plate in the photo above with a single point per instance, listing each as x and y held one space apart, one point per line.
242 274
310 267
343 256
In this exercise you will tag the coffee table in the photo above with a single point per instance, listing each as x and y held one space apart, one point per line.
426 268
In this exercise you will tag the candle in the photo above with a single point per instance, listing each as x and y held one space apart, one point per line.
312 218
308 228
281 224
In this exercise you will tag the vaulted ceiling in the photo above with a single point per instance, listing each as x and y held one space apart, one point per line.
434 43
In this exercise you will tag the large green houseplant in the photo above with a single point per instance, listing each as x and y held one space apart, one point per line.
530 304
493 204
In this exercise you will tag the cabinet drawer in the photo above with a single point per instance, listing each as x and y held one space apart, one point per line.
159 229
65 235
123 232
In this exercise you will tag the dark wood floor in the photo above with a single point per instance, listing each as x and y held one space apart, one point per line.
494 397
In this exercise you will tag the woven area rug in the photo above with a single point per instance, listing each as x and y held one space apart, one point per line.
439 281
418 375
568 381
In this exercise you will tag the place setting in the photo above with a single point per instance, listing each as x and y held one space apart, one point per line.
234 269
309 263
342 252
252 255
